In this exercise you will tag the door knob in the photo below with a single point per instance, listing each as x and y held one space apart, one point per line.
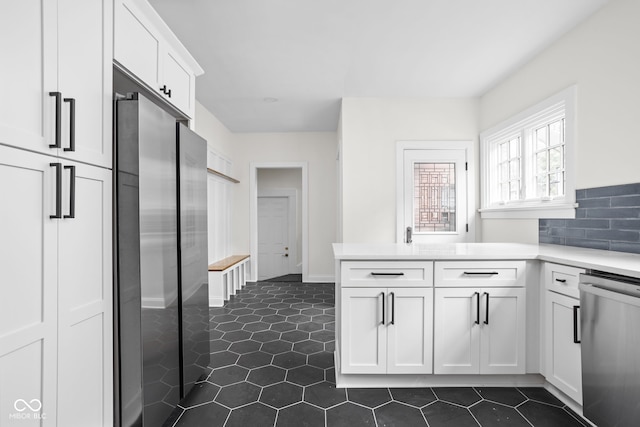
286 255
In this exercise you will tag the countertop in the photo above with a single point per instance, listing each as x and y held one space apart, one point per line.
610 261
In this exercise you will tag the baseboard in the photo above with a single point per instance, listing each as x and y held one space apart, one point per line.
216 301
319 278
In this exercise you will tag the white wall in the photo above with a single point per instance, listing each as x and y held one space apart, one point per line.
370 129
269 179
219 191
601 56
318 149
218 137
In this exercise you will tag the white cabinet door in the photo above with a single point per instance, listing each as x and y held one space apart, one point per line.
502 336
28 42
178 81
363 331
563 354
136 43
85 299
469 339
410 330
456 331
85 79
28 280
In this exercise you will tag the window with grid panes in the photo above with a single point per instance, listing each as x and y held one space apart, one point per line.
527 164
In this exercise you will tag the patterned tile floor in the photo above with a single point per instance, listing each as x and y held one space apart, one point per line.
272 365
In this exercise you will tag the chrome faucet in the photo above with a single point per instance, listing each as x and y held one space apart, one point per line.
409 238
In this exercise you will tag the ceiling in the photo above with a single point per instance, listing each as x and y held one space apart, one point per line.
284 65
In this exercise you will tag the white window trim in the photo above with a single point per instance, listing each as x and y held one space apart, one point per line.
556 208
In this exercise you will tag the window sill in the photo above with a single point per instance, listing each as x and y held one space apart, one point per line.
566 210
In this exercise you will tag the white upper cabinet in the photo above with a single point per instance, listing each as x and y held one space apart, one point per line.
57 78
147 49
28 42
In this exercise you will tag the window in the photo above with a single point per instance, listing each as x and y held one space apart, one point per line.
527 166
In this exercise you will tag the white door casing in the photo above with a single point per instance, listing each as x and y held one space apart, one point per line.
447 214
274 249
253 214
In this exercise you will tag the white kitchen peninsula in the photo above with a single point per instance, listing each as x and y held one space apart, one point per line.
450 314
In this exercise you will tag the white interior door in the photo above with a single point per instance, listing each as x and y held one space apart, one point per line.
435 196
273 237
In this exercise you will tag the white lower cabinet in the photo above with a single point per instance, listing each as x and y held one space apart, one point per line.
563 355
56 323
386 330
479 331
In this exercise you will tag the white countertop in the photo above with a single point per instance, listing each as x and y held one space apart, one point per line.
613 262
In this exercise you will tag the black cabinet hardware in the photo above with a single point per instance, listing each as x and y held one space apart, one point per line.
383 298
72 124
393 308
486 314
58 96
387 274
480 273
561 280
58 213
477 295
72 191
166 91
575 324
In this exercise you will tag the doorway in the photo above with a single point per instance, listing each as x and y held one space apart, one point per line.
278 215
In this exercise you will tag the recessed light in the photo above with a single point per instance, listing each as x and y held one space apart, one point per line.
270 99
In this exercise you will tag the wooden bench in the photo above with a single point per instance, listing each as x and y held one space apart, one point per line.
226 277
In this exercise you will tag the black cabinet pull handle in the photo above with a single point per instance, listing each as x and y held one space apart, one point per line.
387 274
58 213
383 298
486 314
163 89
72 191
561 280
480 273
477 294
58 96
575 324
169 93
393 308
72 124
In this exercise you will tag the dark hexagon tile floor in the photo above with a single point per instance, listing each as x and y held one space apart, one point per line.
272 365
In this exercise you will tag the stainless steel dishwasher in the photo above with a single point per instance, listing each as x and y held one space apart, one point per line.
610 326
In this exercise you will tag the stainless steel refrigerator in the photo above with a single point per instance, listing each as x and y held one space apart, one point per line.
162 330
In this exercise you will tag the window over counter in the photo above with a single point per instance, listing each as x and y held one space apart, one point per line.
527 162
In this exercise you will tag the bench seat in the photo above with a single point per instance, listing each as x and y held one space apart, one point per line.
226 277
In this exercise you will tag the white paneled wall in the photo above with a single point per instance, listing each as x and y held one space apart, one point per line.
219 202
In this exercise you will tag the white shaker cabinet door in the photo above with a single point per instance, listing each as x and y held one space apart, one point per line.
85 298
179 81
363 331
456 331
28 280
410 330
563 353
28 42
85 79
502 336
